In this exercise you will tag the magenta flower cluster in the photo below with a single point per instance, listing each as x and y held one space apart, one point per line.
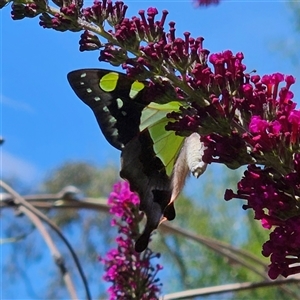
284 248
251 120
132 274
275 201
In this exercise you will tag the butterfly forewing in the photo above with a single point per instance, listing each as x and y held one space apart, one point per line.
116 100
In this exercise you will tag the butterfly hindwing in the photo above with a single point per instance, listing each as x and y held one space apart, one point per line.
147 176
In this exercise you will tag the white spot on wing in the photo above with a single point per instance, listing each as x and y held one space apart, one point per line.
97 99
89 90
83 75
112 120
115 133
120 103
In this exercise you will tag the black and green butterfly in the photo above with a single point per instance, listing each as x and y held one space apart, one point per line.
132 119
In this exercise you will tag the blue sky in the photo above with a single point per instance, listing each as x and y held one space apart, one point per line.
43 122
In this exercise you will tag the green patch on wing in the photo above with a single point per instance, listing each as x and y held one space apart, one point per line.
136 87
109 81
166 144
154 112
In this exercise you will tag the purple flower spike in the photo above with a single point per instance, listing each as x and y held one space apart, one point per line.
132 275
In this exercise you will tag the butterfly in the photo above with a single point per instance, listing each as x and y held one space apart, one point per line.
132 116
